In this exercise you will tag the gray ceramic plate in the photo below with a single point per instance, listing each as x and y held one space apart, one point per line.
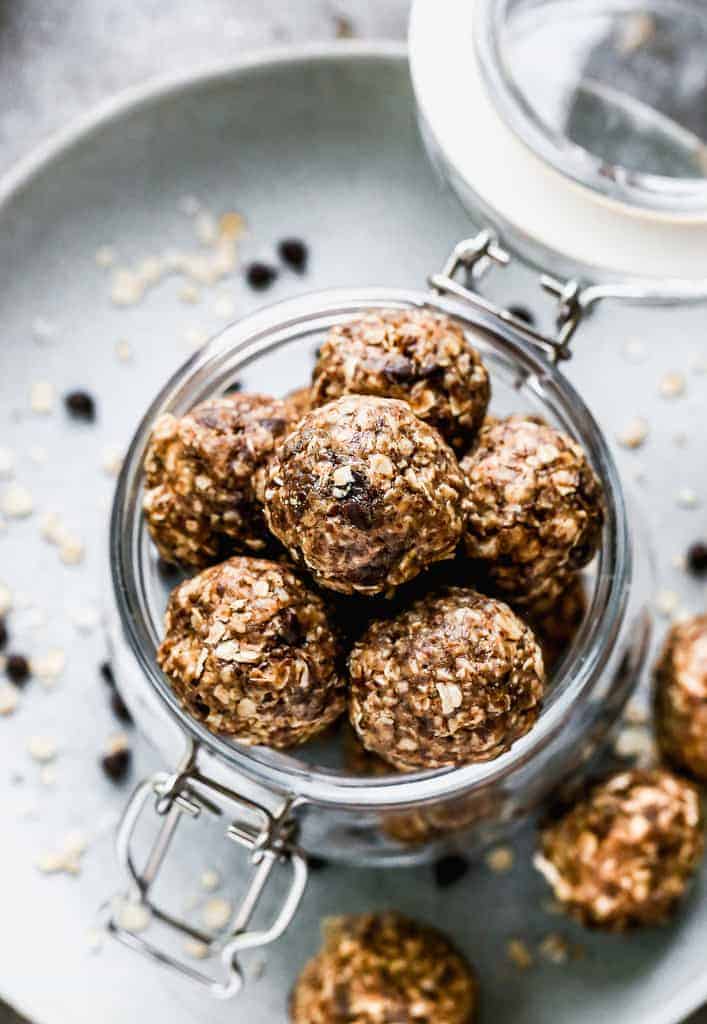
321 144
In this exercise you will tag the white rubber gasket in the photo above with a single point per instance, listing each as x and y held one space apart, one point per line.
535 199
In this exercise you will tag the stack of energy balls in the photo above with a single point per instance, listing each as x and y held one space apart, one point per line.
378 544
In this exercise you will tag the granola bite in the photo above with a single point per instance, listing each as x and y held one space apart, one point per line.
455 679
298 402
364 495
680 697
249 651
533 508
623 856
199 499
384 967
420 357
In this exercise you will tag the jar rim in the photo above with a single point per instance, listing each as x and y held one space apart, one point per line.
201 376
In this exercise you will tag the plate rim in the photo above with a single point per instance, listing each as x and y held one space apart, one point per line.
26 168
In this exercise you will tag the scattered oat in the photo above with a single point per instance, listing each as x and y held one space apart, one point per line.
679 562
500 859
196 949
85 618
216 913
67 858
123 351
189 293
635 30
231 226
105 256
635 351
205 228
17 502
195 337
94 940
42 749
9 698
49 666
210 879
519 954
7 463
687 498
132 916
71 551
112 460
41 397
554 948
634 434
636 713
127 288
666 602
636 744
672 385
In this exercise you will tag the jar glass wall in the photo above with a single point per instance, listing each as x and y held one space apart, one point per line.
344 811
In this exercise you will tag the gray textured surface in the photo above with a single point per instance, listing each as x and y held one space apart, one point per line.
47 967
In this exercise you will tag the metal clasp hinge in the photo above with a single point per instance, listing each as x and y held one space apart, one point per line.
269 840
476 256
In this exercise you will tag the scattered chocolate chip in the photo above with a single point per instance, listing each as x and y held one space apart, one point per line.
106 671
697 558
3 633
449 870
80 405
120 708
317 863
17 668
522 313
260 275
233 388
294 253
116 765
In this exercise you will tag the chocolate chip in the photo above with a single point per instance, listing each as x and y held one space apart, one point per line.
398 370
697 558
522 313
3 633
316 863
120 708
294 253
449 870
80 405
260 275
106 670
201 708
116 765
17 668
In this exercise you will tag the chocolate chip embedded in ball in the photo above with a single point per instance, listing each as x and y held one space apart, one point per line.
384 967
534 509
199 499
456 679
248 650
414 355
681 697
623 856
365 495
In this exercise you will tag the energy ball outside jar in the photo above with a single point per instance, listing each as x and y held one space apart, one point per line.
420 357
364 495
248 650
623 856
455 679
199 499
383 967
680 697
533 508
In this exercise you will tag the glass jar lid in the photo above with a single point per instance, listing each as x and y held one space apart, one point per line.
576 128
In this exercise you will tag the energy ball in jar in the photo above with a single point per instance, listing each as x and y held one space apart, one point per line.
533 507
364 495
455 679
384 967
680 697
623 856
250 652
420 357
199 502
557 624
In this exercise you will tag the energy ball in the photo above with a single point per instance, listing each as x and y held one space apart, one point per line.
298 402
680 697
384 967
249 651
420 357
623 856
533 508
199 499
455 679
364 495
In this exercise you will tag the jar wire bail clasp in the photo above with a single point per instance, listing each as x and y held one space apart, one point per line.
269 837
476 256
